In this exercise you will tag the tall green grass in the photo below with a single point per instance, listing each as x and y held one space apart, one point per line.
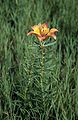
35 83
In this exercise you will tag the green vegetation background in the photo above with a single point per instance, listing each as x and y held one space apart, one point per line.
28 90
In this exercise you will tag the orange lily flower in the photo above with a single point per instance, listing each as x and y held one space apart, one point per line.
42 31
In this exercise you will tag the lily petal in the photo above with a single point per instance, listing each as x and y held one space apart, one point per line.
29 33
33 32
52 33
53 30
35 27
54 36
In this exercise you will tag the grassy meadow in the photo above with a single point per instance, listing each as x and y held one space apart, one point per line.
36 83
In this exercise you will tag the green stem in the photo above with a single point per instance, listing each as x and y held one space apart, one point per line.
42 75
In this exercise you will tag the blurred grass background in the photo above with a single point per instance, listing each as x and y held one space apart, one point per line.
26 94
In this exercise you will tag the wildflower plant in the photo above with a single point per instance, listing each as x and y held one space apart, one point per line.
43 33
